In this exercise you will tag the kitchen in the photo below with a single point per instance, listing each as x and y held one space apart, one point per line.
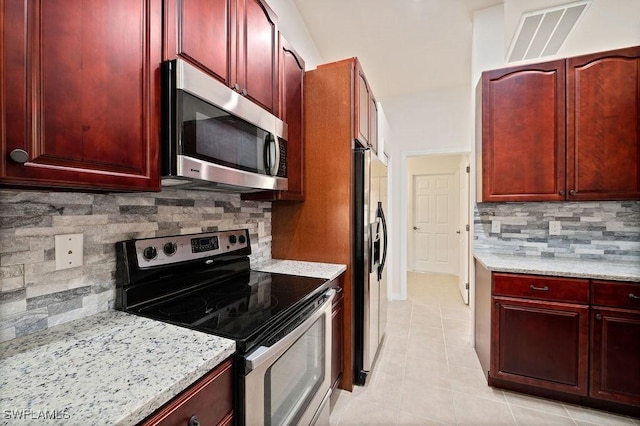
43 297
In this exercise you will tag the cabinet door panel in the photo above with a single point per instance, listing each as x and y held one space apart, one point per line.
204 33
615 355
257 62
543 344
523 150
362 110
88 115
603 129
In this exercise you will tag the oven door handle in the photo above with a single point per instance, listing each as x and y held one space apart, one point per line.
263 354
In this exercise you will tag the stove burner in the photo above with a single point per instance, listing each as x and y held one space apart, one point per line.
187 310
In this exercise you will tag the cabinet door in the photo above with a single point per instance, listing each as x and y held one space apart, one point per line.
603 125
523 133
256 75
203 33
615 351
337 320
373 125
542 344
362 109
80 94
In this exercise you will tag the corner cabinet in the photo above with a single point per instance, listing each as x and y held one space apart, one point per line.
575 340
209 401
235 41
562 130
80 95
291 107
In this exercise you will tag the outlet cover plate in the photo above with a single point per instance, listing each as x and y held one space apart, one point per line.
555 227
69 251
495 226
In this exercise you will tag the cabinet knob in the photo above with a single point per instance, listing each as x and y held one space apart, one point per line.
194 421
19 156
244 92
572 192
561 192
236 87
598 316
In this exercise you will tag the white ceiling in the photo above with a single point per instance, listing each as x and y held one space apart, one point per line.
404 46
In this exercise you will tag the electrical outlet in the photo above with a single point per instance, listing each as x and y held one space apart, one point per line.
69 251
555 227
495 226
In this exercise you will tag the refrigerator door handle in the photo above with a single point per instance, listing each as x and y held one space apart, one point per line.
380 213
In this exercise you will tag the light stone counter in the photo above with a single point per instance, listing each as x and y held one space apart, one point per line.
594 269
107 369
327 271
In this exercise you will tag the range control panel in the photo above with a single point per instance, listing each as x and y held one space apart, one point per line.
162 251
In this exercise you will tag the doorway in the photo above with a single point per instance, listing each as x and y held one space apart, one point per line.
437 217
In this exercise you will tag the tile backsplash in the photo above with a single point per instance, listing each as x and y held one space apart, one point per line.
34 296
607 230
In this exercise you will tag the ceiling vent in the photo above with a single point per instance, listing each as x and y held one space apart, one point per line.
542 32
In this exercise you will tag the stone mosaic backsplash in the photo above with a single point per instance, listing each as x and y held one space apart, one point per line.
606 230
34 296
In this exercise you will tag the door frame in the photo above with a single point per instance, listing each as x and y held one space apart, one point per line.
404 186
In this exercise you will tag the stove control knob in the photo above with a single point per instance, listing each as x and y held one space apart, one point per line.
232 239
242 239
149 253
170 249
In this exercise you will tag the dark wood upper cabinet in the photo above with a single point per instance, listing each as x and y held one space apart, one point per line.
603 125
80 94
203 33
233 40
563 130
523 133
291 107
365 114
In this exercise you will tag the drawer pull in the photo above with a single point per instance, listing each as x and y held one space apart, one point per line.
633 296
194 421
545 288
598 317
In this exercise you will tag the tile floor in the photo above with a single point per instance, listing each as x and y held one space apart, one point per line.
427 373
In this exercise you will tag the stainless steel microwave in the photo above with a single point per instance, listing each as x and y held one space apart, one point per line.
214 138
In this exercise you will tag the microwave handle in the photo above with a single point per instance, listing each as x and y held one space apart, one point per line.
270 145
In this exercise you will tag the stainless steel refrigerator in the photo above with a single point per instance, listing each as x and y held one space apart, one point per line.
370 244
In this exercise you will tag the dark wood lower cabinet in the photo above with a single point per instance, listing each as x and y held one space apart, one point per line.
541 344
574 340
615 355
209 401
337 334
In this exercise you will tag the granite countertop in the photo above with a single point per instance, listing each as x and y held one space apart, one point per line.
327 271
106 369
595 269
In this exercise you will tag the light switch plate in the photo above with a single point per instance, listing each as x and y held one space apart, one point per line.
555 227
69 251
495 226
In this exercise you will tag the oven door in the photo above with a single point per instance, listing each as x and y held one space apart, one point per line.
288 383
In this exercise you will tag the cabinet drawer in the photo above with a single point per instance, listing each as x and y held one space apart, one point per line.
616 294
210 400
542 288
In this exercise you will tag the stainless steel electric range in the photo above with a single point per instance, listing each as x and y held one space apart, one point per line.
280 323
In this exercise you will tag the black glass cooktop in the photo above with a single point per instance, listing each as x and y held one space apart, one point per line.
240 308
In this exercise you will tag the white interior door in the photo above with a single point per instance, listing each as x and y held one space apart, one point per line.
436 220
464 230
